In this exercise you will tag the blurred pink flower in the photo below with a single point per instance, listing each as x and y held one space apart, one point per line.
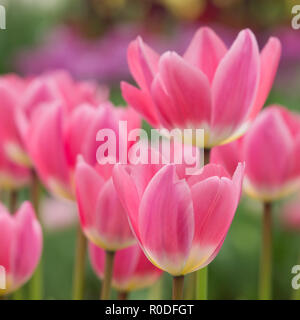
209 87
20 245
132 270
290 216
271 150
55 136
22 97
57 214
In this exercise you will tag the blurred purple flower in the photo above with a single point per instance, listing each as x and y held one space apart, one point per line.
103 59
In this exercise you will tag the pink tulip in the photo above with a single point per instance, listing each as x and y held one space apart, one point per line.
211 87
54 138
271 150
20 245
22 97
180 223
132 270
229 155
102 216
291 215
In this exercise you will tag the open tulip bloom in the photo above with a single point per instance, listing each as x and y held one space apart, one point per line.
179 221
211 87
20 246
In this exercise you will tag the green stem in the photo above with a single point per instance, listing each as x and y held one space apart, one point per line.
36 282
202 282
266 254
202 274
178 283
79 267
13 201
190 290
206 156
108 273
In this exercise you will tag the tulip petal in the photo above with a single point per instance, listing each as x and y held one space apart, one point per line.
228 155
209 170
114 230
142 61
269 60
268 147
88 185
168 114
121 274
38 92
76 131
45 145
141 101
8 129
104 119
128 195
187 87
235 83
215 202
28 244
166 221
6 238
206 51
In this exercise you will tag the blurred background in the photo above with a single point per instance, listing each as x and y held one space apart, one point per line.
89 38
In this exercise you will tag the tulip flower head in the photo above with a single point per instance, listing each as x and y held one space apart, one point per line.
132 270
20 246
21 97
271 150
102 217
211 87
55 137
180 223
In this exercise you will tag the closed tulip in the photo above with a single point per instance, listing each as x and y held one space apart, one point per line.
102 216
271 150
180 223
132 270
20 246
211 87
